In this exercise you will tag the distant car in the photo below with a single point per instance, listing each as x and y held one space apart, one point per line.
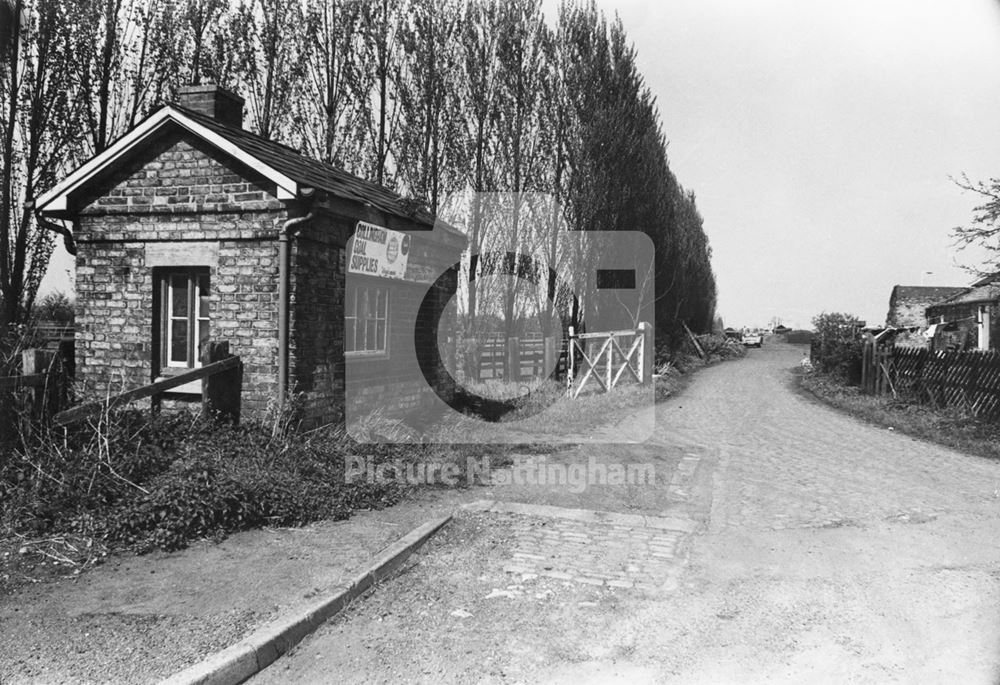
753 339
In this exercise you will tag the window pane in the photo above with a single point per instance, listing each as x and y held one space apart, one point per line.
204 335
350 300
179 295
362 303
179 341
380 343
370 334
383 298
351 327
203 293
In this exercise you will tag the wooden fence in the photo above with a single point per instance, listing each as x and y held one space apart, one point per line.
35 395
968 380
39 395
222 382
532 356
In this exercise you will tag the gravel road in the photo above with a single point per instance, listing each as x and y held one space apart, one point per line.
824 550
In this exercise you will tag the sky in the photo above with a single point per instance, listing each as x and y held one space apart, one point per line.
820 139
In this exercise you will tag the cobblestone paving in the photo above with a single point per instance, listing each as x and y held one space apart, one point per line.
596 554
787 462
602 549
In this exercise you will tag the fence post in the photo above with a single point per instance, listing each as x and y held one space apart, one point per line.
513 359
865 373
549 358
220 393
646 353
611 361
43 398
470 358
570 359
877 370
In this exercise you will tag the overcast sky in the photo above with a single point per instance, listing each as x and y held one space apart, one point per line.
819 138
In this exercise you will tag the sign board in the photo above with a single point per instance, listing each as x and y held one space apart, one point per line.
377 251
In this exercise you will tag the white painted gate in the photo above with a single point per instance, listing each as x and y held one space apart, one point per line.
605 358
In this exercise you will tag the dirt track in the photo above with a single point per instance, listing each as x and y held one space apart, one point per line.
829 551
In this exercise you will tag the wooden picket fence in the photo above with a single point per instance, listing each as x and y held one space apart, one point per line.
967 380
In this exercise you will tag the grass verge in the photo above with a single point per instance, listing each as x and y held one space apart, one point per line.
949 427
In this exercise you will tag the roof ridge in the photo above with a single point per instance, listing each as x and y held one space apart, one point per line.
204 118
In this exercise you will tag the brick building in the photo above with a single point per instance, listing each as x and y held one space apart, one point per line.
908 304
189 229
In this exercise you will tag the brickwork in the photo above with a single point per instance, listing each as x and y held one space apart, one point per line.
180 174
114 324
180 190
317 323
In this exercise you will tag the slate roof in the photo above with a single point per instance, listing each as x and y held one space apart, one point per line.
976 294
922 293
316 174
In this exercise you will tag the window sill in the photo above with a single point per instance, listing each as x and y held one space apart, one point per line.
192 388
359 356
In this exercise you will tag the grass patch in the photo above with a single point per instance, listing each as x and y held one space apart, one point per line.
951 427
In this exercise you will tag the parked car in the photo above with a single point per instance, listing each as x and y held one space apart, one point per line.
753 339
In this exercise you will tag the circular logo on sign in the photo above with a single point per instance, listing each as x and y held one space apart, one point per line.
392 250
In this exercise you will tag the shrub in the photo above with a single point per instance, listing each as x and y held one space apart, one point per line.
142 483
55 307
719 347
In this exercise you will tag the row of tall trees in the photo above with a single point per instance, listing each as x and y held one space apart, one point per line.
437 99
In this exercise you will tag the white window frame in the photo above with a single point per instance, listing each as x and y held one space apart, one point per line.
383 318
195 320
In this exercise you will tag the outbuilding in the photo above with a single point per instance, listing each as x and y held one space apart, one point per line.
908 304
967 319
190 229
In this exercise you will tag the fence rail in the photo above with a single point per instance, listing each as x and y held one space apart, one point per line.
158 388
221 395
35 380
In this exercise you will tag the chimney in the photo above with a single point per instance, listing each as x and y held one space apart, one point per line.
213 101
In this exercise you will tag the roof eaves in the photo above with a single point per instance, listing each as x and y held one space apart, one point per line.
55 199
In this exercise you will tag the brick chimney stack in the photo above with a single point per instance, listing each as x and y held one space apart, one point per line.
214 101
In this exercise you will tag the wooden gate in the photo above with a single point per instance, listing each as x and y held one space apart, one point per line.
606 358
876 368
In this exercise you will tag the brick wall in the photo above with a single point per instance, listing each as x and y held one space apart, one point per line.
909 313
182 191
316 340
